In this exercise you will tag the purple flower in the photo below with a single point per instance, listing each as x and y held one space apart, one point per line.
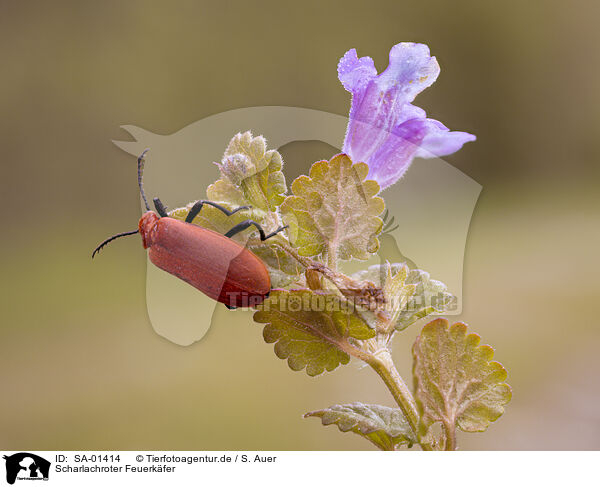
385 130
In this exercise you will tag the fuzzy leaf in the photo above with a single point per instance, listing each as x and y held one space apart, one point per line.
456 383
250 175
307 328
386 427
335 210
216 220
283 269
410 294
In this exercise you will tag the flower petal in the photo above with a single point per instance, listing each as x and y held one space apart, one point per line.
355 73
440 141
393 158
410 71
410 112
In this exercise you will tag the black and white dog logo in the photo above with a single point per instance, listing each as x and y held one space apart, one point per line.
27 466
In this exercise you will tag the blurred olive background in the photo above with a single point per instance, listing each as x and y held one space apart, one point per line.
81 367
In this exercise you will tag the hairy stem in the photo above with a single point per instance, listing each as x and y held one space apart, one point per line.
383 364
305 261
332 257
450 432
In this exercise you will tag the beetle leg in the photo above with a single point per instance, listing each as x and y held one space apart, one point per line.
160 208
194 210
240 227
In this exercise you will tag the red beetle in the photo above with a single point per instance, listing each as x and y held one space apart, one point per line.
221 268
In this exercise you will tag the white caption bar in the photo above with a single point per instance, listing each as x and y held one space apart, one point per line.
126 468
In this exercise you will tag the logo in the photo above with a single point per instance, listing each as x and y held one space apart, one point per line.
26 466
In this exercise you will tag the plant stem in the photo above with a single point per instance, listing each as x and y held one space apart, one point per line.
450 431
332 258
383 364
305 261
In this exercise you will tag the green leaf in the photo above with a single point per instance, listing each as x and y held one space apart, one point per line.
410 294
216 220
456 383
386 427
334 210
310 328
283 269
250 175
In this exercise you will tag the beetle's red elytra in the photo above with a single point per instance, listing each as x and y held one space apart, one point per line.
216 265
221 268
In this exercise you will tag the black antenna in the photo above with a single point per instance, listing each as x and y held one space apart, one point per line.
140 171
108 240
140 165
